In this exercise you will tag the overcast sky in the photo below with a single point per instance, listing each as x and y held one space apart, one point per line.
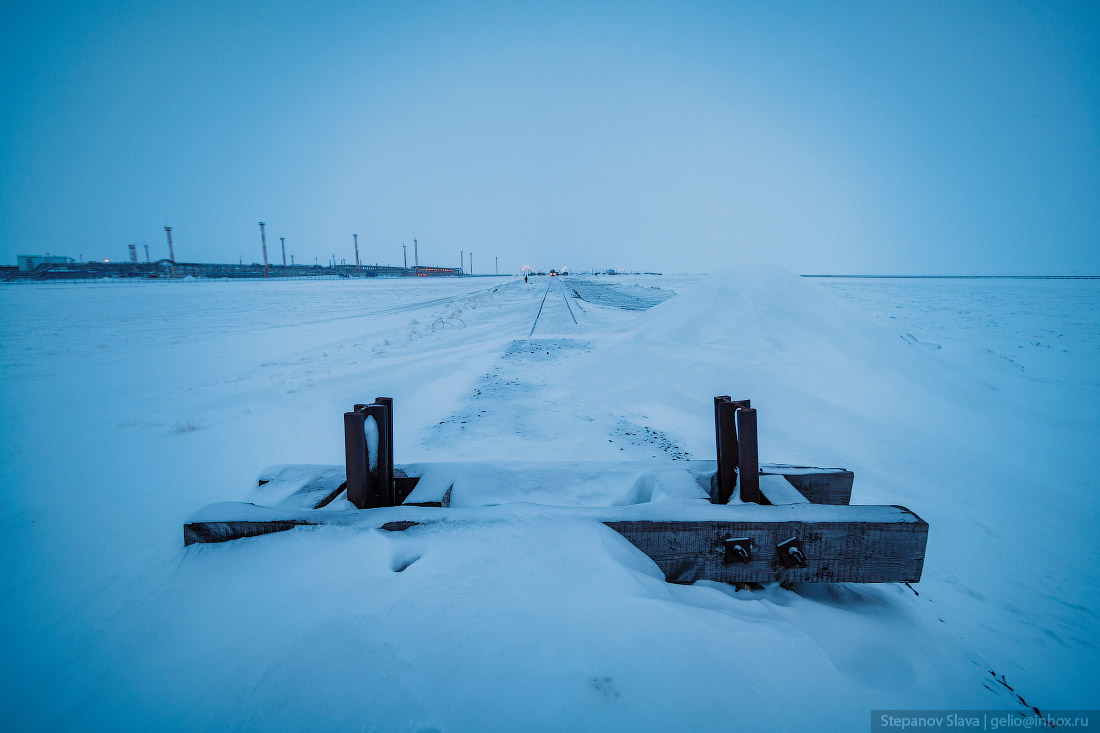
883 137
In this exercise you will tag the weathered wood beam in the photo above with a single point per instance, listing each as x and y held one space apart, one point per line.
819 485
298 485
864 544
208 532
776 489
835 552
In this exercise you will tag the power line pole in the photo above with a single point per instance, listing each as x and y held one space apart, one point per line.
405 255
496 264
282 240
356 254
471 263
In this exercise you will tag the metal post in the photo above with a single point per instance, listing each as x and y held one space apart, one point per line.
282 241
747 455
725 438
385 449
367 486
356 254
355 458
263 240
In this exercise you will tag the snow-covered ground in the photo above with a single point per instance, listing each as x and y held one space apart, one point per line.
129 406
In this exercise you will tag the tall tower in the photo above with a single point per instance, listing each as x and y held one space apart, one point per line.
462 260
147 254
416 256
471 263
356 236
171 254
496 264
405 255
263 240
282 240
133 253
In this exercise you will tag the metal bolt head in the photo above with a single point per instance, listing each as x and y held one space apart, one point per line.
791 553
738 550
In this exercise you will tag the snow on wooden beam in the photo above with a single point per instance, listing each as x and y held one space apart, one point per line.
778 490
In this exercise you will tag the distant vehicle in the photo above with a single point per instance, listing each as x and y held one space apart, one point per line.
553 273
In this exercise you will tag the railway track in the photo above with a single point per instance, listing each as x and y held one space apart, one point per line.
553 285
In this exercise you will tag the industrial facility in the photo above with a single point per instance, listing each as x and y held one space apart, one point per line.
64 268
32 268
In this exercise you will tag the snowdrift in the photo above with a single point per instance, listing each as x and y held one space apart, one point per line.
532 625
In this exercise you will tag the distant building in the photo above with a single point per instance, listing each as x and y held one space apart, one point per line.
29 262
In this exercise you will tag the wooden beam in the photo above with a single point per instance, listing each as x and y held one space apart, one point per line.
778 490
836 552
234 530
863 544
819 485
299 487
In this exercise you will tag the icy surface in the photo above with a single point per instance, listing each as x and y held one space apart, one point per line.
129 407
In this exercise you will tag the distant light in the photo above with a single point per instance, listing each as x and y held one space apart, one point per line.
106 260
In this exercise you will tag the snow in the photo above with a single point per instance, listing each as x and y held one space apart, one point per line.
370 429
131 406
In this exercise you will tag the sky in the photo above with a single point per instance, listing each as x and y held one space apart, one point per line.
878 138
